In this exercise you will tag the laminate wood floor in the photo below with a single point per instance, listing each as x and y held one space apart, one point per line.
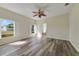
38 47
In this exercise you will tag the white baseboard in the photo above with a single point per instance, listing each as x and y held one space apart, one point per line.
57 38
77 49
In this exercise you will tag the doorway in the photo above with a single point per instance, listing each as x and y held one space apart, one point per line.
39 30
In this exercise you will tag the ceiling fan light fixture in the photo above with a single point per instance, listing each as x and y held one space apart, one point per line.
39 13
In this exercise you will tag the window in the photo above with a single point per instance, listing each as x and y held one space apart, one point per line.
32 28
7 28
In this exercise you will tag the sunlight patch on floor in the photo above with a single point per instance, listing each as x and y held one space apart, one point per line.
18 43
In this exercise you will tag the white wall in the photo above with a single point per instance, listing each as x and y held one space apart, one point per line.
22 24
58 27
74 26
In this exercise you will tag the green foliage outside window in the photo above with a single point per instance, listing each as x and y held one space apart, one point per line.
9 26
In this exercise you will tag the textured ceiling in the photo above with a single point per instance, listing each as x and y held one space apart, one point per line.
26 9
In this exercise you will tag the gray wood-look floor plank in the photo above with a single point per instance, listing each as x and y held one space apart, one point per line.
42 47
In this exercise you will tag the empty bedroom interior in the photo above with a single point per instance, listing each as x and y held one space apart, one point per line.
39 29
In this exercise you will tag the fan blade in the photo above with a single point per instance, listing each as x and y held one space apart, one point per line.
34 12
34 15
43 15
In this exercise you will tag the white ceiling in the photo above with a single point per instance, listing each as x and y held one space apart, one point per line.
26 9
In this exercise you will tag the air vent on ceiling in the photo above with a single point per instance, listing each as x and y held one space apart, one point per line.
66 4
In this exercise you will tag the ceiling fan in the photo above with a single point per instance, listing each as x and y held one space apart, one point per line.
39 13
